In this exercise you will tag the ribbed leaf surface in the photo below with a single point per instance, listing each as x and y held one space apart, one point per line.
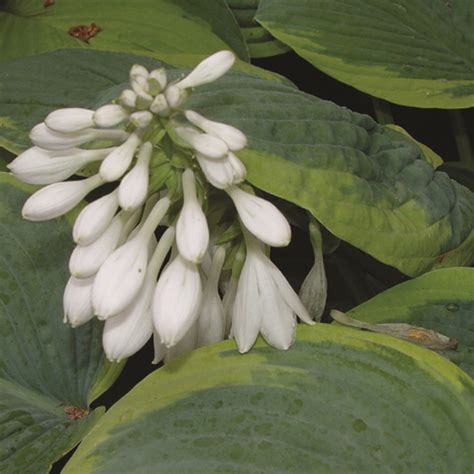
411 52
339 400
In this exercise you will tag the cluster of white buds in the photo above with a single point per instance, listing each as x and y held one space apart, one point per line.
116 267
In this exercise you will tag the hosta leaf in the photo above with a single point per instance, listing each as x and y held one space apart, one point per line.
441 300
429 155
411 52
49 373
367 188
176 31
339 400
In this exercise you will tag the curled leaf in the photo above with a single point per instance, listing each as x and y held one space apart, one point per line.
416 334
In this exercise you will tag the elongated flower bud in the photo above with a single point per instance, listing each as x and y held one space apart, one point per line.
176 300
233 137
203 143
58 198
133 188
208 70
86 260
127 332
117 163
69 120
247 313
77 301
94 219
192 232
218 172
313 291
39 166
261 218
122 274
44 137
110 115
211 324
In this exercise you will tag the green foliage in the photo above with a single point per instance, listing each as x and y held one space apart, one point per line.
440 300
339 401
410 52
369 190
49 372
177 31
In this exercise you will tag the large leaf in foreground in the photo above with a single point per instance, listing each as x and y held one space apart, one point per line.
49 373
178 29
411 52
338 401
442 300
367 188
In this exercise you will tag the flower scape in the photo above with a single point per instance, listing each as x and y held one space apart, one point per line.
176 171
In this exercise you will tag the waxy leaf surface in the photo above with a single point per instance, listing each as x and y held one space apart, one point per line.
49 372
339 400
410 52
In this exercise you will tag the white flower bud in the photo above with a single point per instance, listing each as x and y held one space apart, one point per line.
144 100
69 120
175 96
209 70
128 99
127 332
94 219
86 260
141 119
192 232
176 301
157 80
121 276
39 166
44 137
133 188
261 218
238 168
160 106
58 198
203 143
138 70
117 163
211 324
219 173
139 84
110 115
247 312
77 301
232 136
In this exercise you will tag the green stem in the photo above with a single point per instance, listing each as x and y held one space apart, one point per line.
383 111
461 135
